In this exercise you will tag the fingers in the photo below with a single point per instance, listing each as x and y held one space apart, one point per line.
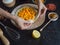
22 24
25 26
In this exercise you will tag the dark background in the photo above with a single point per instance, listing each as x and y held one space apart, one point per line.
49 36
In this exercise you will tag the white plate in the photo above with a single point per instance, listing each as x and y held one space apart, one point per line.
37 23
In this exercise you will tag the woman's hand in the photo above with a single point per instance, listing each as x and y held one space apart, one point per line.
20 23
41 7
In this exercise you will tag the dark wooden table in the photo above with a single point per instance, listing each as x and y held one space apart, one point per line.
49 36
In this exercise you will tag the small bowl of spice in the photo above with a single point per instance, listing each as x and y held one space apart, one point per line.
36 1
53 16
51 7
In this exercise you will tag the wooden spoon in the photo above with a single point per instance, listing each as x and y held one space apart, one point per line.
3 38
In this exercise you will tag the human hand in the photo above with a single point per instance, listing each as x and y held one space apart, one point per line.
22 24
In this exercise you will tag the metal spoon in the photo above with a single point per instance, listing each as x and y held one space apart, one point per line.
13 34
51 19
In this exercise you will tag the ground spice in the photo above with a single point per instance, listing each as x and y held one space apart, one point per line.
53 16
51 7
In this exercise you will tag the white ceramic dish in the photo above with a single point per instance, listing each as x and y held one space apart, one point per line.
39 21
